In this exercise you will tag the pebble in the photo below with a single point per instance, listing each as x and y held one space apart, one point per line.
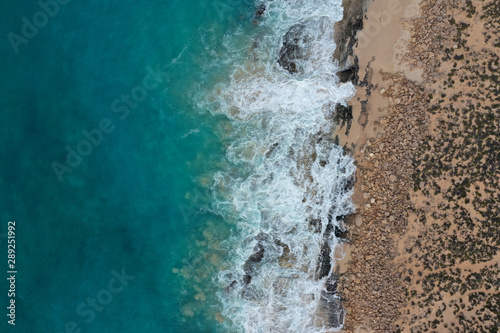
359 220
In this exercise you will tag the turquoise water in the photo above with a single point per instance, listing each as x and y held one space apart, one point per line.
150 147
127 204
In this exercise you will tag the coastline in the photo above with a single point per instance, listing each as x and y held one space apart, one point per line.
406 236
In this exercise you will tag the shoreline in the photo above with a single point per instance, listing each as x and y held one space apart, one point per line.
406 188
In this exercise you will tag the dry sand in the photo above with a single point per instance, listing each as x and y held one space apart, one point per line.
424 251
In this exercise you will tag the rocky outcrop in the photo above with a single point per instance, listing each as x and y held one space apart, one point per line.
346 30
294 49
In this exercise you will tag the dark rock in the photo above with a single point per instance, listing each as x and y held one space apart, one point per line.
231 286
350 73
331 284
247 279
255 258
332 302
248 293
315 225
347 28
340 233
336 140
325 264
258 255
343 116
349 183
295 43
261 9
248 267
271 149
333 306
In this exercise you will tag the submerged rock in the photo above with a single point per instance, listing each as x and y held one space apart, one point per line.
286 258
331 284
332 303
325 264
249 266
271 149
258 255
247 279
333 306
261 9
294 49
231 286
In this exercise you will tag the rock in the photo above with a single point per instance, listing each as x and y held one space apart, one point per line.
340 233
255 258
359 220
231 286
343 116
200 297
258 255
349 74
271 149
333 306
331 284
247 279
294 49
260 10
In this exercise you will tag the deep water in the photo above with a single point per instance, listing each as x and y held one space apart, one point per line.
149 148
134 202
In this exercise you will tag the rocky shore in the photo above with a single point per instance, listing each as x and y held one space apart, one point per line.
424 128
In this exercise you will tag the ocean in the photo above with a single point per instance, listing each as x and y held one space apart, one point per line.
170 166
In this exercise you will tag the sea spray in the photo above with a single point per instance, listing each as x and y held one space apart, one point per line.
286 185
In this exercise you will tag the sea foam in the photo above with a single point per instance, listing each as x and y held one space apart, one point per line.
286 185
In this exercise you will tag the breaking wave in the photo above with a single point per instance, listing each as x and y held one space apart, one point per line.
285 184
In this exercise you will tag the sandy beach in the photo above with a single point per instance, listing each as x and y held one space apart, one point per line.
424 131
